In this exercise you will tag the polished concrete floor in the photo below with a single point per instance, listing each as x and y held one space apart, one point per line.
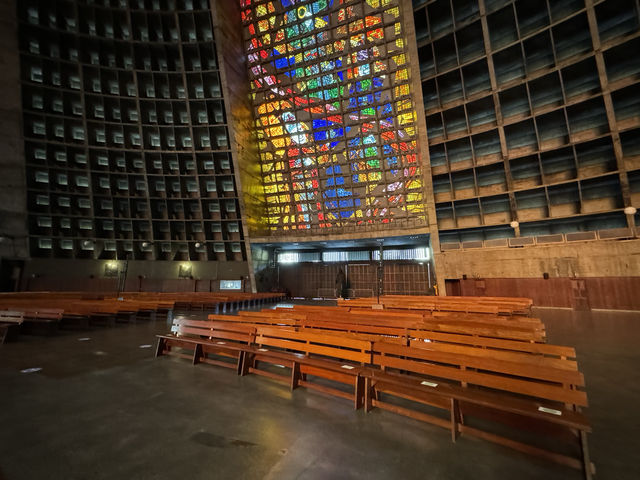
103 408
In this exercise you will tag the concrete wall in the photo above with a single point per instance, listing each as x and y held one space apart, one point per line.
13 194
589 259
244 145
601 274
89 275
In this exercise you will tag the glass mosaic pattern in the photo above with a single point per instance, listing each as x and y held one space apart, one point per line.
335 121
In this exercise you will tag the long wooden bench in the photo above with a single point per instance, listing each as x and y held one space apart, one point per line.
488 305
516 389
478 381
205 338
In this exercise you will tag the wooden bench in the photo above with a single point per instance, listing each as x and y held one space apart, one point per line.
203 338
335 358
487 305
40 320
10 321
518 385
513 388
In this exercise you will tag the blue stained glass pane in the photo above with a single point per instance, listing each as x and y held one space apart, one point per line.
346 214
281 63
336 132
377 82
343 193
358 202
384 109
319 123
330 182
354 179
345 203
340 76
340 181
330 193
321 135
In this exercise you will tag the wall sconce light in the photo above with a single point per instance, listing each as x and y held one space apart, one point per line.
630 210
514 224
185 270
111 269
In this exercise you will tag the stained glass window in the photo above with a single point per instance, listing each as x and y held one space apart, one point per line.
334 114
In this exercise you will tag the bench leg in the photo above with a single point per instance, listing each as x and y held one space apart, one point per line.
586 460
358 392
455 413
247 362
295 375
197 354
368 404
160 347
240 364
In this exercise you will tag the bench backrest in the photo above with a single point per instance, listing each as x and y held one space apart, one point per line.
219 330
11 316
341 347
541 381
263 320
495 343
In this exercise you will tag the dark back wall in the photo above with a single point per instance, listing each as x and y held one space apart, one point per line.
156 276
321 279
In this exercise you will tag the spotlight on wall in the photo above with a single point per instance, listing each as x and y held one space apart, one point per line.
198 245
630 210
514 224
185 270
111 269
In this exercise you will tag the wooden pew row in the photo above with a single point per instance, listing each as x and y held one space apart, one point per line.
540 388
186 300
490 305
522 303
404 333
56 311
211 300
426 314
486 327
422 315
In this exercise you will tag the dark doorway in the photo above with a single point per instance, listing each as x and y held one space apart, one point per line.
10 275
453 287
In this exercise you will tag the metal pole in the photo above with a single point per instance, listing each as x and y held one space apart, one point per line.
380 286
